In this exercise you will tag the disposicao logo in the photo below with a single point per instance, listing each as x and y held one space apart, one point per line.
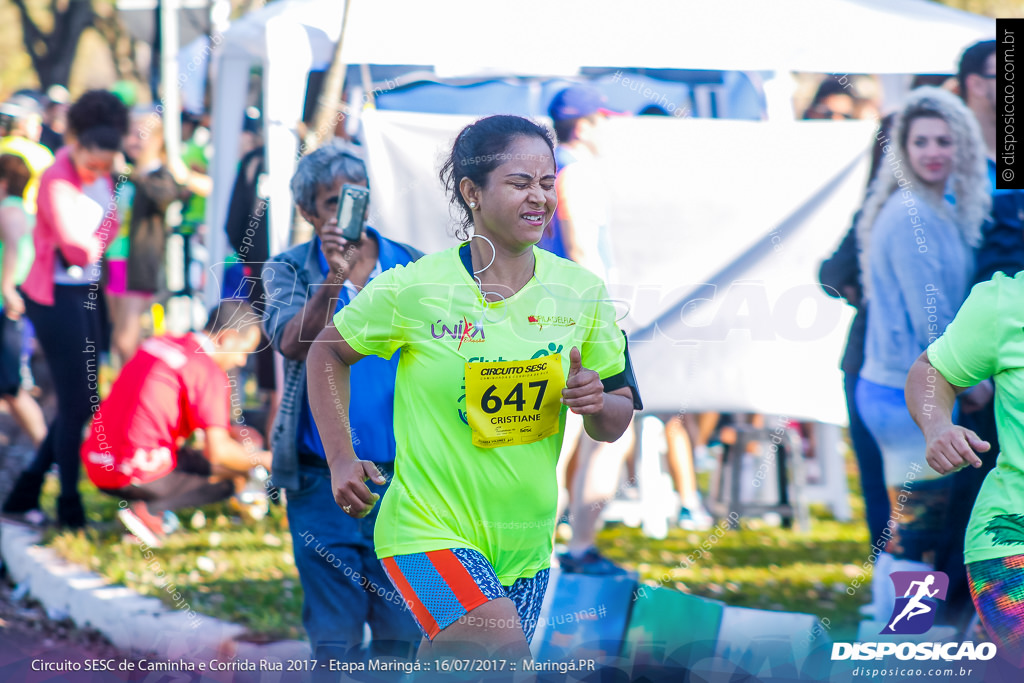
914 613
947 652
918 595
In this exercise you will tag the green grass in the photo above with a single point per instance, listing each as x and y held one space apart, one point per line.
249 575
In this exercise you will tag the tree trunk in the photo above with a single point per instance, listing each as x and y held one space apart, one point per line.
328 110
53 53
122 45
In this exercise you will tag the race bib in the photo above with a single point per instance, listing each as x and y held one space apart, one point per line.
514 402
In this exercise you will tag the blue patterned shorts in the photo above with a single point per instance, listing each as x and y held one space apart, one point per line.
442 586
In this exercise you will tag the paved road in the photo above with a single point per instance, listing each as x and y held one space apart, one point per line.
28 638
26 633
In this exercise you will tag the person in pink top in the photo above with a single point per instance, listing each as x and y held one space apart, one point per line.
76 219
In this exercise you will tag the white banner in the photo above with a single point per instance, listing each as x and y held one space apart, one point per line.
718 229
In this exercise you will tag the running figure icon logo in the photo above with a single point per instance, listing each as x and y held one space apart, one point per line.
914 613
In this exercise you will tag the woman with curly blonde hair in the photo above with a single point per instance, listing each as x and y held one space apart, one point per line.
916 234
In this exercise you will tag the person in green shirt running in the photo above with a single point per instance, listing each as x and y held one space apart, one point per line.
498 341
983 344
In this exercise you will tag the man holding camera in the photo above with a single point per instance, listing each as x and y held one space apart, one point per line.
343 582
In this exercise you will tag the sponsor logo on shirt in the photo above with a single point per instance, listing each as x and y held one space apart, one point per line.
152 461
553 320
462 330
552 348
166 351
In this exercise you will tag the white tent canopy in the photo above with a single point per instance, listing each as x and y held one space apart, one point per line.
826 36
289 38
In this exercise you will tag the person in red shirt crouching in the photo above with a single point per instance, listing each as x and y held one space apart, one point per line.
172 387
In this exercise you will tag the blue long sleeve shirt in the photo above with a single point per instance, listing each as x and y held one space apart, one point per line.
921 269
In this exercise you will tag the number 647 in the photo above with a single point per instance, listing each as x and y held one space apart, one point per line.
491 403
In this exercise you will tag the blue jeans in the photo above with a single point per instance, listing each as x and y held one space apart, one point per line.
343 583
919 496
869 464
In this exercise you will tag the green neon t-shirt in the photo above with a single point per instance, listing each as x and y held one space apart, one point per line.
986 339
446 492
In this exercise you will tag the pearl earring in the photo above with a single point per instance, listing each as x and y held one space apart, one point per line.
472 205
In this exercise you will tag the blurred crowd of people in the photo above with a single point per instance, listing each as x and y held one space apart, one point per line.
84 230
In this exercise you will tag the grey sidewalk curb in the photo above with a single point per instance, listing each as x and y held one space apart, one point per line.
132 622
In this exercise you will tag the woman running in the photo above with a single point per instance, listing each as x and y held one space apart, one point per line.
984 341
498 341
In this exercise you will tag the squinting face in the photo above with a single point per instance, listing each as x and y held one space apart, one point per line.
930 151
519 199
92 164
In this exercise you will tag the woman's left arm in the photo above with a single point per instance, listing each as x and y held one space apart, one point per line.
606 415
